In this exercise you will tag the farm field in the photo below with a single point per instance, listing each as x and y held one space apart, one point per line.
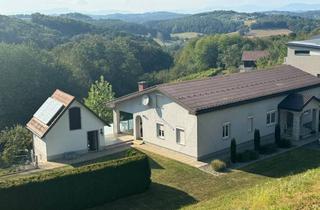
268 32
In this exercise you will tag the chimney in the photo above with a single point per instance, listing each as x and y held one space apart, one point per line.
142 85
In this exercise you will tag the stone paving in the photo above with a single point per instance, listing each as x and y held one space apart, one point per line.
169 154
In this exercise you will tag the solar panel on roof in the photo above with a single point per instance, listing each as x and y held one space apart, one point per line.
48 110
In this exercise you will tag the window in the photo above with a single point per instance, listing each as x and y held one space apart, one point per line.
226 130
180 136
160 131
250 124
302 52
74 118
271 117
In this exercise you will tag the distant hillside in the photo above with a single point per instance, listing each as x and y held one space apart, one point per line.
207 23
76 16
314 14
14 30
141 18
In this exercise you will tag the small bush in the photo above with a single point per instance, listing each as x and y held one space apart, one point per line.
233 151
218 165
132 152
268 149
284 143
256 140
247 155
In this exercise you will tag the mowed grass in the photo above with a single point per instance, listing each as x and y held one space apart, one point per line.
186 35
268 32
280 180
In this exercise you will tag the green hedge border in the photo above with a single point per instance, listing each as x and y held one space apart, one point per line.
78 188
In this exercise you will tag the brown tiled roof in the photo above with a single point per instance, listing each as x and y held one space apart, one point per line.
210 94
63 97
40 129
37 127
253 55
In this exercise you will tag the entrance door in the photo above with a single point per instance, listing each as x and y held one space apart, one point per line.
93 140
289 129
139 127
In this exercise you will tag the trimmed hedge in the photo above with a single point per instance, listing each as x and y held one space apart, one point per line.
78 188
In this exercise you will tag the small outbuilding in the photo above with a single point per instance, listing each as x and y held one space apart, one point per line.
249 58
63 126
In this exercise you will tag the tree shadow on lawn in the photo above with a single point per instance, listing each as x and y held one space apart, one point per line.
289 163
154 164
157 197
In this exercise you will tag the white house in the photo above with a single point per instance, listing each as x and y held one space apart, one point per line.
63 126
200 117
305 55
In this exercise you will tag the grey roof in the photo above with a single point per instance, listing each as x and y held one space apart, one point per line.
210 94
312 43
296 102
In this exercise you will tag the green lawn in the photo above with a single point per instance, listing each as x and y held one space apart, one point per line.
256 186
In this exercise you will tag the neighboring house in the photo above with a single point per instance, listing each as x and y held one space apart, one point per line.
63 126
200 117
249 59
305 55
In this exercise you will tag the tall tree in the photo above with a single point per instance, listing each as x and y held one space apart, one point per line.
100 93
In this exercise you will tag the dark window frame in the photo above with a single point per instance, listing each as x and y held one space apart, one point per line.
302 52
75 118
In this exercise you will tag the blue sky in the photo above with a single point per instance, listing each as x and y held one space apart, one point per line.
138 6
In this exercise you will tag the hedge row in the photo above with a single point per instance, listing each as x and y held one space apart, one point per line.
78 188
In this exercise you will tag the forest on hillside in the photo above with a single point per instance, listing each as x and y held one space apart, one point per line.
40 53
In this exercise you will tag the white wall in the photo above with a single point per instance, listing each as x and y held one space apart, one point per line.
61 139
210 124
309 63
171 115
40 148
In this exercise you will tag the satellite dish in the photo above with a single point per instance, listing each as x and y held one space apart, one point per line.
145 100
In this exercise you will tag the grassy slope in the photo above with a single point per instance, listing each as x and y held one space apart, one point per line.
176 185
293 185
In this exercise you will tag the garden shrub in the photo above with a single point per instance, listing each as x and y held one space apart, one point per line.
131 152
247 155
256 140
233 151
78 188
218 165
285 143
268 149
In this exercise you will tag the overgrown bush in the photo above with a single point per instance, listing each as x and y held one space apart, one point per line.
268 149
233 151
78 188
256 140
277 134
284 143
218 165
15 143
247 155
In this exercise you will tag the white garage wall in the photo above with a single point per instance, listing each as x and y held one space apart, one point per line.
61 139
